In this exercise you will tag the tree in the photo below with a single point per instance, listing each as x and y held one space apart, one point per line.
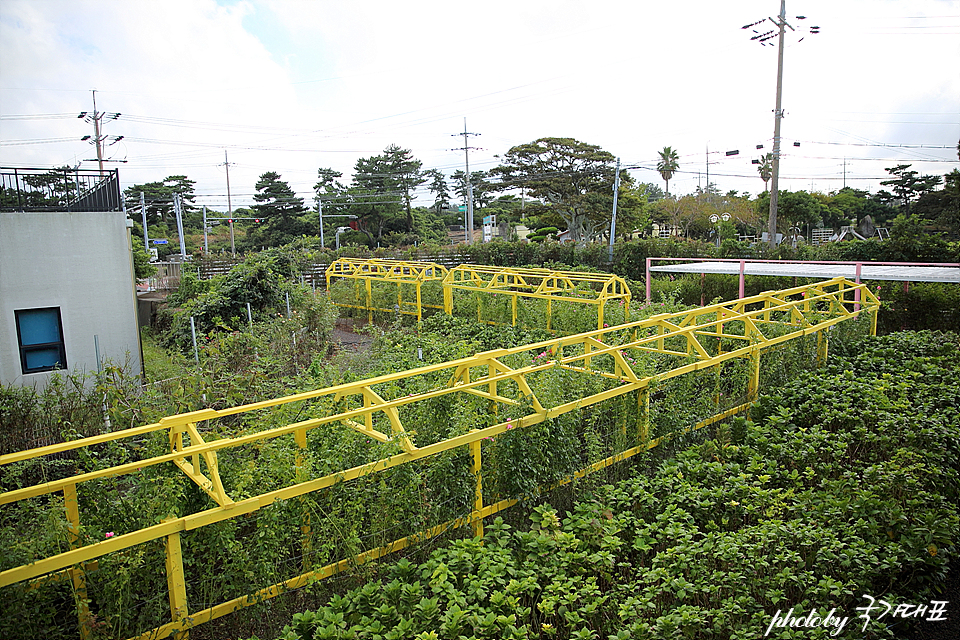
766 169
158 198
281 210
692 213
908 185
483 189
380 187
668 165
396 171
795 209
942 206
438 186
841 208
575 179
654 192
329 196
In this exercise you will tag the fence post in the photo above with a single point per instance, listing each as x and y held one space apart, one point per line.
823 342
753 385
306 544
856 294
476 519
447 297
643 401
176 583
77 574
367 284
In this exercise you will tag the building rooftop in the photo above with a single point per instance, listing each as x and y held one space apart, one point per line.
68 190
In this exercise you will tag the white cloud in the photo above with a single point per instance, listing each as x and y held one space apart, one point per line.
296 85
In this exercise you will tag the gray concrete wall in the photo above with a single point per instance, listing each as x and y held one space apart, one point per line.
81 263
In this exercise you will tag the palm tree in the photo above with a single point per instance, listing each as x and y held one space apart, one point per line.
668 165
766 169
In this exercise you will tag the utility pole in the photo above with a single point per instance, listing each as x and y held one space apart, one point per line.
143 213
762 37
96 118
778 116
320 211
466 155
613 218
178 211
226 164
708 166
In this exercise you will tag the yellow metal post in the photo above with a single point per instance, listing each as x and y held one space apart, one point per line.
823 345
643 401
476 519
306 544
753 385
367 284
77 574
176 583
419 303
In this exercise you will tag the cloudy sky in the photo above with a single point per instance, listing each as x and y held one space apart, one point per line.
294 85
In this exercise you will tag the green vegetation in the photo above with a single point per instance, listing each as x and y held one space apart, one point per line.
563 184
820 498
280 353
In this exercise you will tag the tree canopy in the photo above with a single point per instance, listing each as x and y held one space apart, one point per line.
158 197
668 164
281 211
573 178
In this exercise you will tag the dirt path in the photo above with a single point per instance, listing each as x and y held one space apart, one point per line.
345 335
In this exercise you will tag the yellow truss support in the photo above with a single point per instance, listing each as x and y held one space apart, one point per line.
687 341
401 272
545 284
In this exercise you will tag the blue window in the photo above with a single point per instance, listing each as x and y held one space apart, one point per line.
40 333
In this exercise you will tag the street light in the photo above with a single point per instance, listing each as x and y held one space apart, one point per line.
714 218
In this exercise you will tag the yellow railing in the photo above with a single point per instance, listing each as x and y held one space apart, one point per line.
682 342
399 272
553 286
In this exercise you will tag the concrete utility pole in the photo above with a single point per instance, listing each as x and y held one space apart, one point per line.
178 211
320 211
143 213
96 117
762 37
778 116
466 154
96 131
613 217
226 164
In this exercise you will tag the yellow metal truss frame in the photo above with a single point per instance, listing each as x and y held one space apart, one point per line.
400 272
749 326
545 284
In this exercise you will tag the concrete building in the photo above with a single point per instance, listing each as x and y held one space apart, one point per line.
67 285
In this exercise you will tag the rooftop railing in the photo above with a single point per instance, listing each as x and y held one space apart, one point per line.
73 190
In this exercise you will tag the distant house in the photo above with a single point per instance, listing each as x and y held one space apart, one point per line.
67 286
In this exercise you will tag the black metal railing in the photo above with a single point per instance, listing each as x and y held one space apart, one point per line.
59 190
